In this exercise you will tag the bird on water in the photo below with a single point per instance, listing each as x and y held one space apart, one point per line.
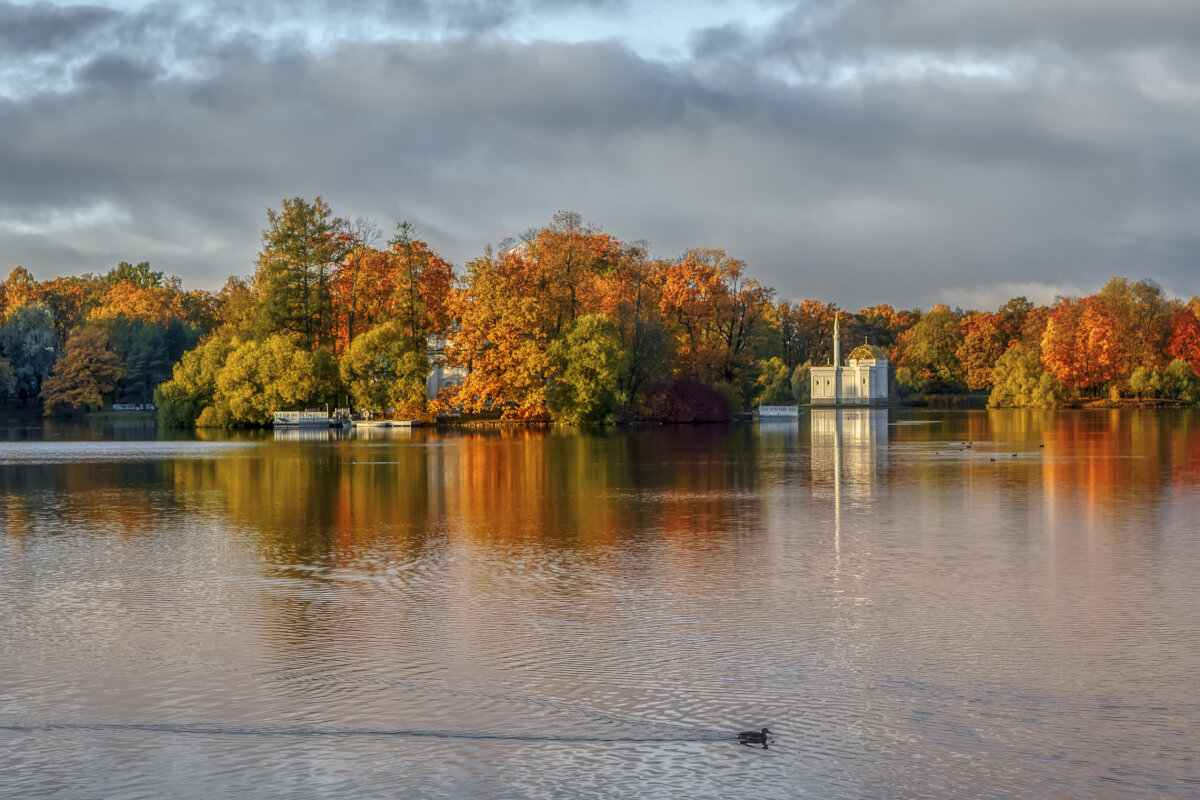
754 737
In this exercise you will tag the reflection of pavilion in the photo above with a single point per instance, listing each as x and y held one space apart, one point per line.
849 448
849 451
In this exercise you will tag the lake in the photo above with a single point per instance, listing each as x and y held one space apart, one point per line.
974 604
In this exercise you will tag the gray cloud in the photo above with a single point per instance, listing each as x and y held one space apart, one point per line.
891 188
26 29
1003 25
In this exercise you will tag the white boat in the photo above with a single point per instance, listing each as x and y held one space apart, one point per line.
303 419
386 423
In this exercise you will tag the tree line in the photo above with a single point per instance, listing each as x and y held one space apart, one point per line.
565 323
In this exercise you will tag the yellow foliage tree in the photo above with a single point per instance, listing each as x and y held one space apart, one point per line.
86 372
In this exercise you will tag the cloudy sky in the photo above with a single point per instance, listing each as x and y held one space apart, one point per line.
855 151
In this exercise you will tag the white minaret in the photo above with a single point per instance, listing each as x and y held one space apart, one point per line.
837 361
837 343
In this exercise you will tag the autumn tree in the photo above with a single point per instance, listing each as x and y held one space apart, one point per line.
1139 317
985 337
1080 345
297 264
502 339
18 290
71 298
716 312
1145 382
235 309
420 290
572 259
127 298
361 283
408 283
1014 313
806 331
882 326
1183 341
927 353
87 371
631 293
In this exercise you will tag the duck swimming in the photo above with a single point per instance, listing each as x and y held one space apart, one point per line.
754 737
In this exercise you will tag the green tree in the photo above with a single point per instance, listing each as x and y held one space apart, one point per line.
589 363
87 371
30 344
181 400
928 361
296 269
276 374
148 349
802 382
8 379
1179 382
1020 382
140 275
774 383
1145 382
385 367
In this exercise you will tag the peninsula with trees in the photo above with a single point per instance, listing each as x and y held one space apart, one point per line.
566 323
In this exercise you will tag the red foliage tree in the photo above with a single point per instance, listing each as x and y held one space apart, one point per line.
1184 338
1080 346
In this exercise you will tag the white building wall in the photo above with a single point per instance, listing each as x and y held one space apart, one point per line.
823 385
859 382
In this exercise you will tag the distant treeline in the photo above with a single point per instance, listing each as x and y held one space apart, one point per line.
566 323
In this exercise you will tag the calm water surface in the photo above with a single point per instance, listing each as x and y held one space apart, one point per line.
545 614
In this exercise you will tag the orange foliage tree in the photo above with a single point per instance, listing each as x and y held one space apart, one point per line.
630 297
20 289
882 325
1184 338
408 283
71 298
86 372
574 263
805 330
502 338
511 307
153 304
1140 319
716 311
985 336
1080 345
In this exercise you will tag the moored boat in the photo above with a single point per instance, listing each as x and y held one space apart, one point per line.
303 419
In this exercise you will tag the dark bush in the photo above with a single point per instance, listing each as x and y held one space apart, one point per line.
687 401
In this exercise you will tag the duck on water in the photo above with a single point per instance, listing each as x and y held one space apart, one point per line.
755 737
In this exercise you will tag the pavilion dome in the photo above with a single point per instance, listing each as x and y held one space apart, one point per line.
867 351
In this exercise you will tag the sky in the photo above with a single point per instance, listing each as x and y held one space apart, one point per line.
907 152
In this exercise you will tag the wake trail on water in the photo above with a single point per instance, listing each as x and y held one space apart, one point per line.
543 704
223 730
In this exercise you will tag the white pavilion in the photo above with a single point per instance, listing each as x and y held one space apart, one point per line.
862 380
